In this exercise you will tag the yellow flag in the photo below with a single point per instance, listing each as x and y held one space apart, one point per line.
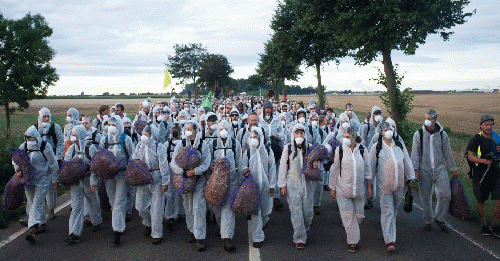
167 80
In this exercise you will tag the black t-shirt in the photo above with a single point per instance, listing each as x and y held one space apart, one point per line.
485 145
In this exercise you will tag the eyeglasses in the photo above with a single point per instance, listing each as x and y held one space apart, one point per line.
234 115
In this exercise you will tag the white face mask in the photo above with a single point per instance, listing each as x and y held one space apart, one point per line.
45 124
69 119
428 123
302 120
388 134
112 130
223 133
213 127
176 142
346 125
188 133
181 122
268 117
253 142
283 122
144 139
346 141
160 118
31 144
378 118
73 138
142 113
299 140
314 123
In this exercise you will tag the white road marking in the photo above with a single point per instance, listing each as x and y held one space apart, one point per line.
24 230
253 253
484 248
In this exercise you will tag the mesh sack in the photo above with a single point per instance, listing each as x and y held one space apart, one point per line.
183 184
188 158
277 147
104 164
72 171
459 204
316 152
14 193
246 199
23 161
217 185
244 149
139 126
137 173
103 196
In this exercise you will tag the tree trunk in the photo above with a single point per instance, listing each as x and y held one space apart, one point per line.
7 119
392 91
320 90
284 88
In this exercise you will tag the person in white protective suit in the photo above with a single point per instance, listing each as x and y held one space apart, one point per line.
293 185
52 134
150 198
367 131
314 130
390 164
431 149
85 188
396 135
259 162
348 175
353 118
46 175
161 123
270 122
194 202
227 147
236 124
117 188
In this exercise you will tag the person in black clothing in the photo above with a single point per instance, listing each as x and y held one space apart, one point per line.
486 176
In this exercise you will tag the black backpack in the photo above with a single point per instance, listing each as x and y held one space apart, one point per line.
42 149
121 142
233 146
472 165
51 133
87 151
421 133
199 145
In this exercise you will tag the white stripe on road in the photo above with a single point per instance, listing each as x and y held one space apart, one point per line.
484 248
25 229
253 253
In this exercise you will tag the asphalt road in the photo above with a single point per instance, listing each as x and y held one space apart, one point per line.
326 240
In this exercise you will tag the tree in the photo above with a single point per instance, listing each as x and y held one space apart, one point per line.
214 72
372 28
185 63
298 28
25 57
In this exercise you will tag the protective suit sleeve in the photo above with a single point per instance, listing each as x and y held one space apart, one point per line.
129 145
60 142
98 137
282 175
163 163
335 170
271 169
447 154
173 165
372 159
281 131
51 160
206 158
240 133
69 154
368 169
415 151
409 171
93 178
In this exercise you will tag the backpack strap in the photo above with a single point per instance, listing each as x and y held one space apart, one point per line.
87 150
421 133
122 143
341 155
169 150
94 135
288 158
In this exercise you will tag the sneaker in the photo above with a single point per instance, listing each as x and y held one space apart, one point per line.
51 214
191 239
352 248
180 218
391 247
496 231
200 245
228 245
486 230
300 246
443 226
23 222
41 229
147 231
97 228
156 241
72 239
257 244
317 210
116 238
171 224
427 227
31 234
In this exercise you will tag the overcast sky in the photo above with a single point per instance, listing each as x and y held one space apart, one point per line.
122 46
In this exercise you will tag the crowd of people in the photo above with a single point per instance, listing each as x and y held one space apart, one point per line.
367 163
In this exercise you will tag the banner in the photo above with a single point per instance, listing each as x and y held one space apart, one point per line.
167 80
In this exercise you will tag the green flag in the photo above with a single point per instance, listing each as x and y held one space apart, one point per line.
207 102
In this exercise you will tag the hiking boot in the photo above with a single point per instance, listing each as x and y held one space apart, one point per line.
147 231
443 226
228 245
369 204
156 241
191 239
352 248
300 246
326 188
496 231
97 228
72 239
171 224
128 217
116 238
180 219
391 247
258 244
31 234
427 227
317 210
51 215
23 222
486 230
277 204
41 229
87 222
200 245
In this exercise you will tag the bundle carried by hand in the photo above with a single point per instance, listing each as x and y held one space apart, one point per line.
14 193
72 171
459 203
246 199
217 185
103 196
315 153
104 164
245 148
139 126
188 159
137 173
22 160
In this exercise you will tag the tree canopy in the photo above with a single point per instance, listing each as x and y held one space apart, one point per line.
185 63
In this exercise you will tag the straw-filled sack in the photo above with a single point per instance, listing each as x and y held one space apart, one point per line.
137 173
14 193
246 199
104 164
315 153
217 185
187 158
72 171
23 161
139 126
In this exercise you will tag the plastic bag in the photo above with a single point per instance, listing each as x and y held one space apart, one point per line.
408 206
459 204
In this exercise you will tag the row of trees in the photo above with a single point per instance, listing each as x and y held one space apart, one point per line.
315 32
